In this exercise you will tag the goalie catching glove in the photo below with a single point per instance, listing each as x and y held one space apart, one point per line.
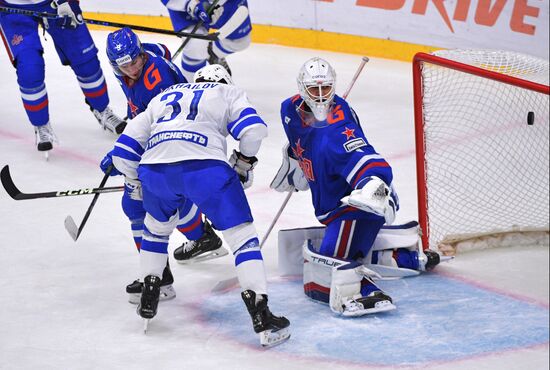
375 197
290 176
244 166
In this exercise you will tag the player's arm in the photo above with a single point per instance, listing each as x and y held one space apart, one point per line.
131 145
290 176
246 126
368 174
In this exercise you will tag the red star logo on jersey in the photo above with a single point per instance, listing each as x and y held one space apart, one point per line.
349 133
305 164
298 150
133 108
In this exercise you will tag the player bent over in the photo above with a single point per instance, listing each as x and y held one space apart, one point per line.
75 48
144 71
179 143
351 190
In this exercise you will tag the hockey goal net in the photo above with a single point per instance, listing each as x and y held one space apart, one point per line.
482 146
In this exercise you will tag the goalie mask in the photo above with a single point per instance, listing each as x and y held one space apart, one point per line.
213 73
125 53
316 83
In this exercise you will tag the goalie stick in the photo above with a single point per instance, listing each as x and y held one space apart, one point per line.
17 194
229 283
364 61
194 30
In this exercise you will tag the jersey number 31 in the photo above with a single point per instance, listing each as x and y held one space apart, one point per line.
172 99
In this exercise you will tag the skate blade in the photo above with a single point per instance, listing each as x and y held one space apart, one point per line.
382 306
220 252
269 338
145 325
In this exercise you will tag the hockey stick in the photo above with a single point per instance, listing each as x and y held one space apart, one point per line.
227 29
98 22
228 283
194 30
70 225
17 194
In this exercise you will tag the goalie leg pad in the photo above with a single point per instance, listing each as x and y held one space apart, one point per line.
397 252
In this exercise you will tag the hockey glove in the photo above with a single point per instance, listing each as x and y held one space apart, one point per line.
375 198
244 166
199 10
289 176
107 162
133 188
70 15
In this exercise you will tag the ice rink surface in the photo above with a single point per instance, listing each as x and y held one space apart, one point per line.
64 306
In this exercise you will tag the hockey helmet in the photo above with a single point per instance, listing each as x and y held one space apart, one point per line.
123 46
316 84
213 73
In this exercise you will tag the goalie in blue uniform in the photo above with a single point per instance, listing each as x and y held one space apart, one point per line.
352 193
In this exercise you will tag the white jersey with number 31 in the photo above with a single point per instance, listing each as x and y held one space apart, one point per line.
188 121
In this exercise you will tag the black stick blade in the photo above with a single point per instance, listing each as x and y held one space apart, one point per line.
8 184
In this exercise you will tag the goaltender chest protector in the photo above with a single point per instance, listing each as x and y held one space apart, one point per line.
324 153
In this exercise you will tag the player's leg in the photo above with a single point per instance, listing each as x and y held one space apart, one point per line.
194 55
203 243
237 41
76 48
133 209
223 201
20 36
160 221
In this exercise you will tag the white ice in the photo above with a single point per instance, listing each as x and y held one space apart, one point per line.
63 304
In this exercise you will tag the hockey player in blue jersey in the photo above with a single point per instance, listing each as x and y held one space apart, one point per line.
174 153
75 48
144 71
186 14
351 190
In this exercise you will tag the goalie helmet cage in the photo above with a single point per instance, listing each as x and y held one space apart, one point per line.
482 145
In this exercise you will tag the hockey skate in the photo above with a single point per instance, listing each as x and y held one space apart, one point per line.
375 302
214 59
207 247
45 137
272 329
149 299
109 121
167 291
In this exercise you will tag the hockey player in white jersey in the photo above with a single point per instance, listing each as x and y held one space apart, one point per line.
174 152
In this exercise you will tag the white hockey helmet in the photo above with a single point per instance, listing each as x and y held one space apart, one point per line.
316 83
213 73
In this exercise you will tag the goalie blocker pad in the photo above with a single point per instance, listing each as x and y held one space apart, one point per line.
292 244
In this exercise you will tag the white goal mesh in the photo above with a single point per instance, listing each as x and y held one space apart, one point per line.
482 144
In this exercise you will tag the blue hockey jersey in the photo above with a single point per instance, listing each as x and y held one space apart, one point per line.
158 74
335 159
